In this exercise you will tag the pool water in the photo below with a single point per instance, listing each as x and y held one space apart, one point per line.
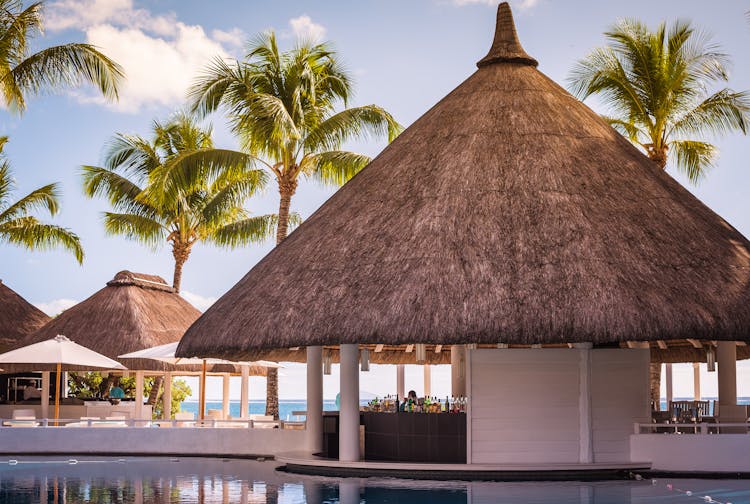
201 480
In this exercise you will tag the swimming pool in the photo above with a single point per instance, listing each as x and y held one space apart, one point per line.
172 480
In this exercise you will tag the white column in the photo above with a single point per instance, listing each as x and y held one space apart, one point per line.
458 370
400 382
139 394
166 397
64 384
726 358
668 379
245 391
45 394
427 380
349 414
585 431
314 414
696 381
225 396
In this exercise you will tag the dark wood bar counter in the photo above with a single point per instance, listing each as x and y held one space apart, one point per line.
405 437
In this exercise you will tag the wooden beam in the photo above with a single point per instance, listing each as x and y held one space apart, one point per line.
741 343
294 348
695 343
409 348
378 348
438 348
662 344
638 344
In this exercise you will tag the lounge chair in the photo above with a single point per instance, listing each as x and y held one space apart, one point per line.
22 418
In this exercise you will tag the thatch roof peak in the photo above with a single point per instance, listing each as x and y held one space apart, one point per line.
126 277
18 318
506 48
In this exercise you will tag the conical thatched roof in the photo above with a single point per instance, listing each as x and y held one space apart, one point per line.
18 318
134 311
509 212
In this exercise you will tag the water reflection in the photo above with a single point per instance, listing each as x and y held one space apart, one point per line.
207 481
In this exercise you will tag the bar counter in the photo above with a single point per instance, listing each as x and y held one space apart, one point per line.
404 437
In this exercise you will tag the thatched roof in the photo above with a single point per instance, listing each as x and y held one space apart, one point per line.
509 212
134 311
18 318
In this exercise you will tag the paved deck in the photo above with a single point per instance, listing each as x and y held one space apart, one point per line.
304 463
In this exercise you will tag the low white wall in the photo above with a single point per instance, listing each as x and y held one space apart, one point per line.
525 404
149 441
692 453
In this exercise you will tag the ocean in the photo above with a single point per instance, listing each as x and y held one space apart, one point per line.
286 407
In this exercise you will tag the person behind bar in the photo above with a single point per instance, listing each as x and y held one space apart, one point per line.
411 396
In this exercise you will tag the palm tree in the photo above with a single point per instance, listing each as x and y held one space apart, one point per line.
208 210
23 72
154 204
655 84
20 228
282 107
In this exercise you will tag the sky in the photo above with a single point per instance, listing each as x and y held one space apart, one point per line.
404 55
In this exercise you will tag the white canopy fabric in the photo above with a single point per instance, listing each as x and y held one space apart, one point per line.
59 350
165 353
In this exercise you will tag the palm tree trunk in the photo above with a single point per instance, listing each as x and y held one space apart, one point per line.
287 188
180 252
153 394
658 155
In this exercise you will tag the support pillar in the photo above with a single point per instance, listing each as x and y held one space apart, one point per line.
585 429
670 388
427 380
225 396
314 413
349 413
166 397
458 370
245 392
64 385
139 394
696 381
726 358
45 394
400 382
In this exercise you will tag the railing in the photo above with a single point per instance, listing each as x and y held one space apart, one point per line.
693 428
10 423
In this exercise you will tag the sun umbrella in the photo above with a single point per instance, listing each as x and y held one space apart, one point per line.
59 350
165 353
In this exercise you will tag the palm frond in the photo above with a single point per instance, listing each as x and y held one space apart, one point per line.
45 198
693 158
723 112
334 168
32 234
245 231
65 65
135 227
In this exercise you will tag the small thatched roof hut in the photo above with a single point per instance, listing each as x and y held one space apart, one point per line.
18 318
134 311
509 212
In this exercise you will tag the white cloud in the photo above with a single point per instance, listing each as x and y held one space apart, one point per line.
234 37
160 55
200 302
304 27
521 4
56 306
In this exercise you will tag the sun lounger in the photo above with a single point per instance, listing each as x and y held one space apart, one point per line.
264 422
22 418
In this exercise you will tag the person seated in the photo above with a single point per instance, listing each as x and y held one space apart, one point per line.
31 392
116 392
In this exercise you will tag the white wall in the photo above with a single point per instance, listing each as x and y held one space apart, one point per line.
525 404
149 441
620 397
692 452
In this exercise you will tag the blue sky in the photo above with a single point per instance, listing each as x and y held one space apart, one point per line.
405 55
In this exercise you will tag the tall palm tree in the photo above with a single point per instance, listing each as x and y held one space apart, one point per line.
655 84
154 204
23 72
206 209
18 227
282 107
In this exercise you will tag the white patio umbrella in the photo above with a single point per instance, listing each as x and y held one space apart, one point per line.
166 353
59 350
